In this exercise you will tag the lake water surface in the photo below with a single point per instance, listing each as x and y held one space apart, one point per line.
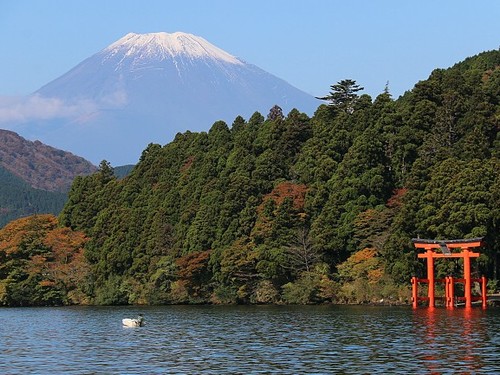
250 340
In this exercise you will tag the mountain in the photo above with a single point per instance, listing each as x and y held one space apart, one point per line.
145 88
35 178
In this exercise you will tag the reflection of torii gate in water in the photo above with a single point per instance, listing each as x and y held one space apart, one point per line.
446 247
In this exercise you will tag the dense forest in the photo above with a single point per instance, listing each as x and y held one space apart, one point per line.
282 208
18 198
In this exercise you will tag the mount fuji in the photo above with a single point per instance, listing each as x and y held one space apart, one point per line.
147 87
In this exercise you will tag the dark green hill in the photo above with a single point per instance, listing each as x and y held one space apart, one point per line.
18 199
123 170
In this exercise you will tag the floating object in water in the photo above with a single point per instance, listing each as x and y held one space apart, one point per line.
137 322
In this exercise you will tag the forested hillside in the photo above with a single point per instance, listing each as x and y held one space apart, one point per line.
292 209
18 199
41 166
34 178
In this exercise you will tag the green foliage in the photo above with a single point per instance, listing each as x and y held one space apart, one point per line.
18 199
343 95
276 209
311 287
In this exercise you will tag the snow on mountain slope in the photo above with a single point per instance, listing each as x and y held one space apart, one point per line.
164 46
145 88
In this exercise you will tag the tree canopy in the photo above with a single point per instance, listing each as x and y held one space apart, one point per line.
285 209
343 95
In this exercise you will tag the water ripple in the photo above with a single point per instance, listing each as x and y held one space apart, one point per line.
250 340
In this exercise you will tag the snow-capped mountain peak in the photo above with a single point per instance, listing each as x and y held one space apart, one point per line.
145 88
164 46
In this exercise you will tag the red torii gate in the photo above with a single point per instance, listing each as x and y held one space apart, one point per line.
446 247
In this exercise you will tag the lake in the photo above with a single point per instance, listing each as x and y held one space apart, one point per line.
250 340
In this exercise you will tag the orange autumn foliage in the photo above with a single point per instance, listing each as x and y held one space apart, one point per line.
191 265
296 192
396 200
25 229
362 264
38 248
65 244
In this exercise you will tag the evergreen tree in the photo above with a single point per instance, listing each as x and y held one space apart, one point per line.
343 95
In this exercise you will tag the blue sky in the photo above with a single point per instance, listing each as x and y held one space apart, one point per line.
310 44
